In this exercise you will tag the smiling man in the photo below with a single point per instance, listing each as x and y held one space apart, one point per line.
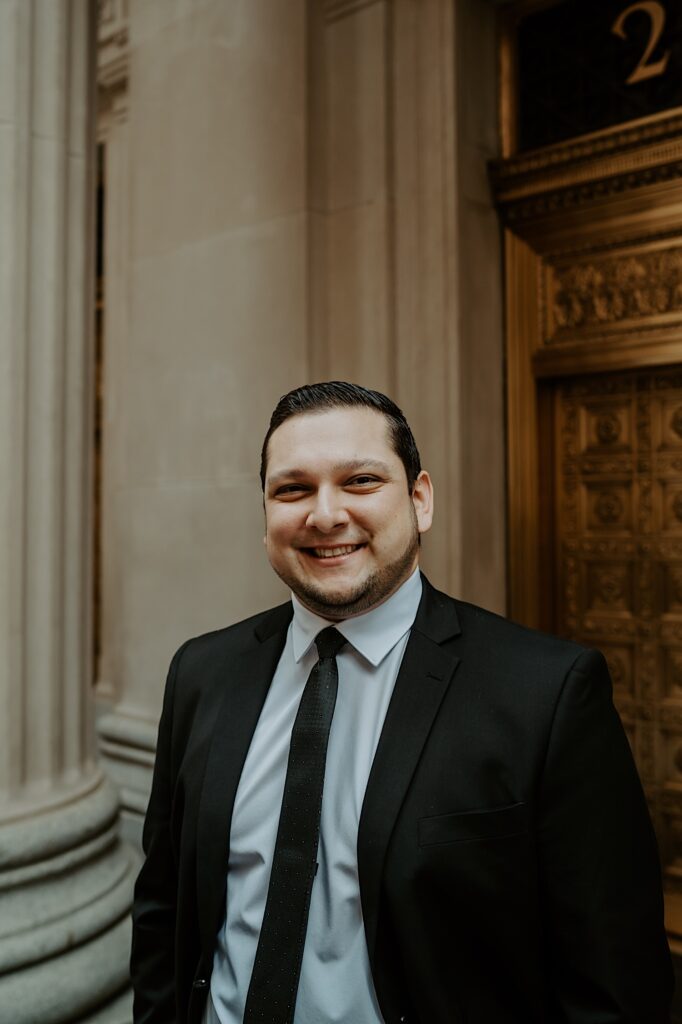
343 527
375 803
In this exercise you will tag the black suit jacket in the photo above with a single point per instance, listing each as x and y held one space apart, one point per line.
508 869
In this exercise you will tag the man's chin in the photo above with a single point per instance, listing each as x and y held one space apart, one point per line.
335 600
335 603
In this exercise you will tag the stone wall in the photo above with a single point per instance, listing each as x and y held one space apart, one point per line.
294 190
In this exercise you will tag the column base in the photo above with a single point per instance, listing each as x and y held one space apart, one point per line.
118 1011
66 884
127 747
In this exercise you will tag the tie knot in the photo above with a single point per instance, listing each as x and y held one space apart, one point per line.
329 642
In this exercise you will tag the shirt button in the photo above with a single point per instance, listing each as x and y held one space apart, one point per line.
200 983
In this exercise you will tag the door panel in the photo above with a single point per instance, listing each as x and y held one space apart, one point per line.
618 521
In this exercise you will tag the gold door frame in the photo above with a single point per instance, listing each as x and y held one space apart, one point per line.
593 283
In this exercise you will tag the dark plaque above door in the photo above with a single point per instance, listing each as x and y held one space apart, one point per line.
584 65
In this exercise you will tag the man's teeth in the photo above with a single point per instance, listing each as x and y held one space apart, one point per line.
333 552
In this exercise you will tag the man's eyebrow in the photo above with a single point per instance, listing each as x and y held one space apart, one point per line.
286 474
354 465
350 466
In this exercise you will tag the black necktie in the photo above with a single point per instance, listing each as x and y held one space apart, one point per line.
274 981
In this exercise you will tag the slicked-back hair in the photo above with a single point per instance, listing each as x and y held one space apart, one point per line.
336 394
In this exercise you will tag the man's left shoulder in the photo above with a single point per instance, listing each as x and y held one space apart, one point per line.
504 642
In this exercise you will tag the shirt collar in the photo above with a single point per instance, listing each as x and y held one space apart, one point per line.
372 634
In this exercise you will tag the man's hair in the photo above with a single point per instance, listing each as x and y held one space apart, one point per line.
335 394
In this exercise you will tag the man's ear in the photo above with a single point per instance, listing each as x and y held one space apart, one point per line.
422 499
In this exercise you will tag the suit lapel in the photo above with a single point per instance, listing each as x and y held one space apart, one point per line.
247 676
422 682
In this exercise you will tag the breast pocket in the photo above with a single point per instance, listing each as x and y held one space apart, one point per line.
469 826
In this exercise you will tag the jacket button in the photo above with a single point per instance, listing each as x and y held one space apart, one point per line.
200 983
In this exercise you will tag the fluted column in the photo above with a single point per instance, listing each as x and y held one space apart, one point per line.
205 326
65 878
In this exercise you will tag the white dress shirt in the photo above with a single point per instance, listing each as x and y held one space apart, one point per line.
336 984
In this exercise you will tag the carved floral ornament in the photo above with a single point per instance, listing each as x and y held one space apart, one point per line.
608 428
610 585
623 288
599 464
609 507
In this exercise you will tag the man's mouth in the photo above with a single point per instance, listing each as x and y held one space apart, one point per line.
335 552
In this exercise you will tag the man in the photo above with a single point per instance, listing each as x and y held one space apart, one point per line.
376 803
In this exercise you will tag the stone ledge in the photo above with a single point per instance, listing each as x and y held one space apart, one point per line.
65 988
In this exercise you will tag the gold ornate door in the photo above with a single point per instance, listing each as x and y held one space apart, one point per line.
590 200
618 522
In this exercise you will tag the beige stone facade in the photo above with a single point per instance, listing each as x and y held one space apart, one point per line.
293 191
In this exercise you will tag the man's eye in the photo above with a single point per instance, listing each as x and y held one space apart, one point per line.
287 490
363 480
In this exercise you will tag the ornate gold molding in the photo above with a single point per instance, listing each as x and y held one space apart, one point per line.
516 211
613 293
607 142
591 168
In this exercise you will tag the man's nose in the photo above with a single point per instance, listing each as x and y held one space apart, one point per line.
328 511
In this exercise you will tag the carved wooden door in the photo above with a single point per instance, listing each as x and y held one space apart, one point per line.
592 215
618 516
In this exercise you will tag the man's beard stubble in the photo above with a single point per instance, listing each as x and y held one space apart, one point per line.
376 588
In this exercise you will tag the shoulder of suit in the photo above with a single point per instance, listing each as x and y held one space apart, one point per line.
473 616
240 633
486 630
503 657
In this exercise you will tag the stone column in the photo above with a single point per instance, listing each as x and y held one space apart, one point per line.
65 878
205 326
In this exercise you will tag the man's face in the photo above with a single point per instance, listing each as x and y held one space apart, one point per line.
342 528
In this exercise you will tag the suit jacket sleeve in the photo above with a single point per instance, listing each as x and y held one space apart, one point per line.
152 965
599 865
